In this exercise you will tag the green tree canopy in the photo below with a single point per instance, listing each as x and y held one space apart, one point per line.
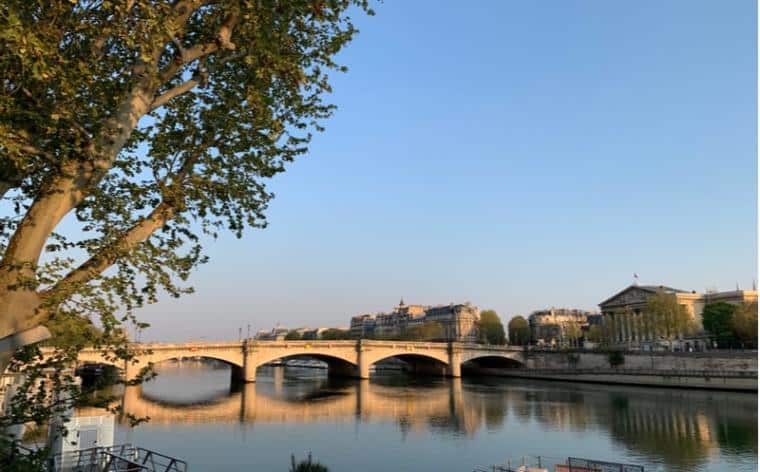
744 324
336 334
72 331
519 331
668 319
427 331
595 333
147 125
717 318
491 329
573 333
293 335
150 123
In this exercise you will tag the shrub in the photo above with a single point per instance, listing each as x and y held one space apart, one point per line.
616 358
306 465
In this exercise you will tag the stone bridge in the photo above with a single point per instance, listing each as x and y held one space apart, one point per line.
343 358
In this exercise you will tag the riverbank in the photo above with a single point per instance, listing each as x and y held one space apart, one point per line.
743 381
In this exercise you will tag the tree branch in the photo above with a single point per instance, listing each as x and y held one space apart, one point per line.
138 233
101 261
199 51
185 86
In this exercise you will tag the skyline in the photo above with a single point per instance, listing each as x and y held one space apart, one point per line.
598 141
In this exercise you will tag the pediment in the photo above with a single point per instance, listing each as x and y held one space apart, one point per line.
629 296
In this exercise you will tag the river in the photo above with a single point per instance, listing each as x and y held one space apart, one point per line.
395 422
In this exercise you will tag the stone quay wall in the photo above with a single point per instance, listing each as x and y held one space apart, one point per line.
744 361
718 370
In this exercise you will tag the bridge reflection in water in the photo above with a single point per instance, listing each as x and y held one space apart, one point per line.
679 428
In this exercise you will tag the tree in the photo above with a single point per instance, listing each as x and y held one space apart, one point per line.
519 331
573 333
149 123
293 335
334 334
595 333
717 318
427 331
744 324
146 125
491 329
667 318
70 330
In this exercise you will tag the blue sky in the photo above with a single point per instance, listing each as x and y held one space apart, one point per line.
516 154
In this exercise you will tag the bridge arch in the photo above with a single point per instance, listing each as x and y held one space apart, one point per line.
483 363
339 364
420 363
159 357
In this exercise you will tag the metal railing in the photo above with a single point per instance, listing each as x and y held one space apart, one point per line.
120 458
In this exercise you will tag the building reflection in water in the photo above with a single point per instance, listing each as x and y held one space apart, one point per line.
672 427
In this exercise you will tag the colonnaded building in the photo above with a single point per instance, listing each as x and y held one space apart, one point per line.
624 312
459 322
558 325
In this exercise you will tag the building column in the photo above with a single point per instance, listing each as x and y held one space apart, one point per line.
454 368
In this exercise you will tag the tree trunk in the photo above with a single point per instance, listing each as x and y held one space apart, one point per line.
9 344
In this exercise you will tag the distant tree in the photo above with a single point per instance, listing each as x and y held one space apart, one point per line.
595 333
428 331
717 318
69 330
334 334
608 330
491 329
744 323
293 335
519 331
573 334
667 317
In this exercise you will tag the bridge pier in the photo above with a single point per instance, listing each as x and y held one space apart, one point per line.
454 369
362 363
131 370
248 372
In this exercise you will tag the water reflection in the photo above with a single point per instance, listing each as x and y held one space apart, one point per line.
680 429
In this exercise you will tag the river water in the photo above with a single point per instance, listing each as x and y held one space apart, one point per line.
394 422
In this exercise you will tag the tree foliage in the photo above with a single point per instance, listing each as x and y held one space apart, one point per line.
595 333
334 334
667 318
573 333
519 331
717 318
427 331
293 335
146 126
491 329
744 324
